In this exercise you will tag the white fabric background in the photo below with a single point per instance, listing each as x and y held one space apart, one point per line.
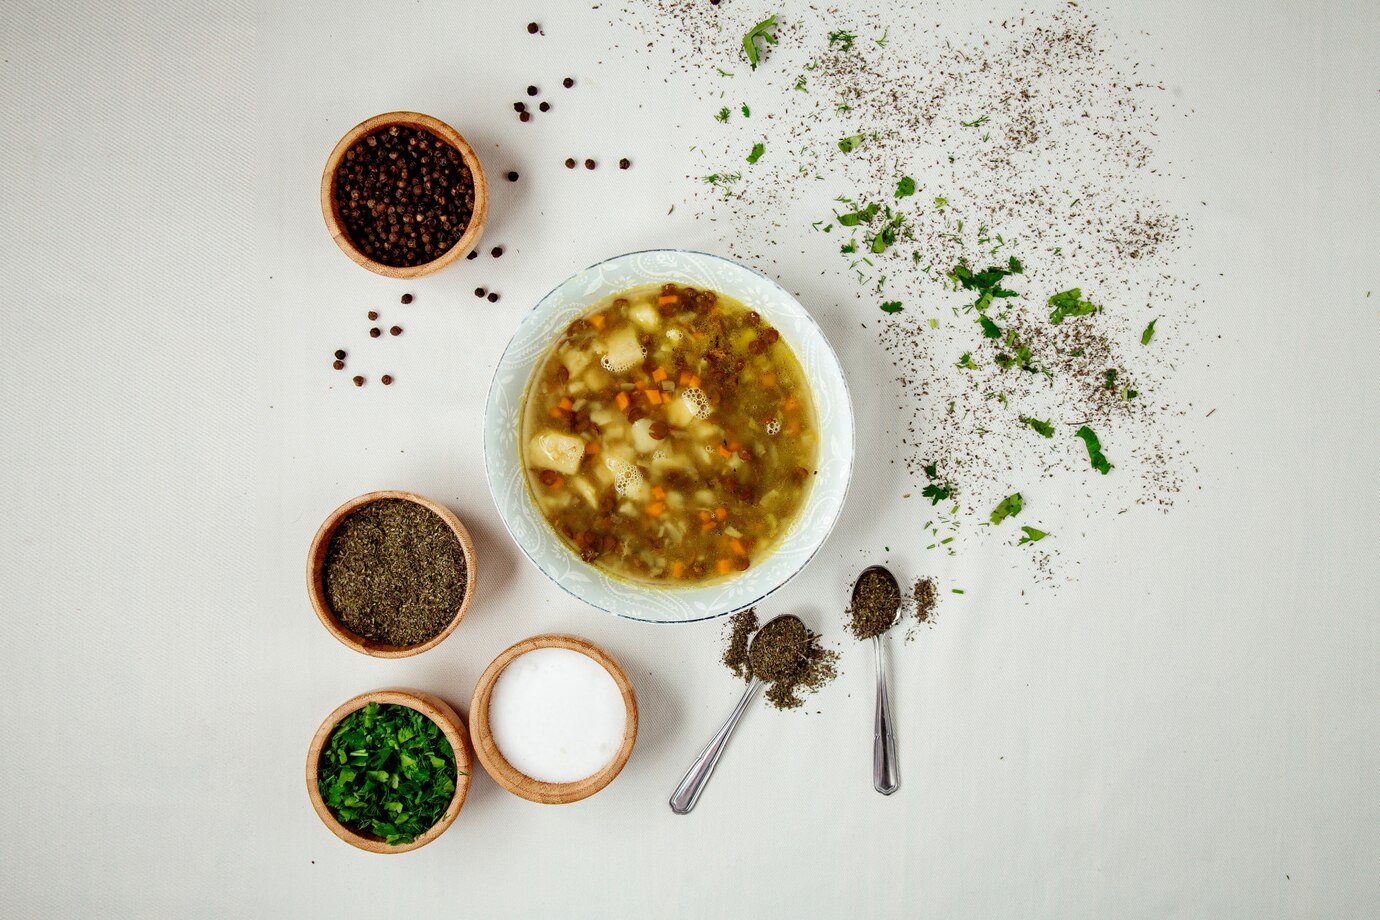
1188 728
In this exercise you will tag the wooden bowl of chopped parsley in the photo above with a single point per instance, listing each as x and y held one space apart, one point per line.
389 770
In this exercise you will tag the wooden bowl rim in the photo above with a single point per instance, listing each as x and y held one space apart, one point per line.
468 240
316 575
435 709
514 780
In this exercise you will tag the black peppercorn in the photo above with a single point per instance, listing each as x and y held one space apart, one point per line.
340 354
480 292
373 314
396 330
338 365
512 176
570 163
407 298
589 164
493 297
474 254
568 82
519 106
359 381
545 106
532 28
525 116
531 90
624 163
375 333
385 380
496 251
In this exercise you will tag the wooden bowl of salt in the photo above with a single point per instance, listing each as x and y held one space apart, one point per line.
553 719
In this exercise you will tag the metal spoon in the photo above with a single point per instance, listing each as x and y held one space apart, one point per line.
697 777
886 773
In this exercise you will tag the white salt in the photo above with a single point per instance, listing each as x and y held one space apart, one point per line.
557 715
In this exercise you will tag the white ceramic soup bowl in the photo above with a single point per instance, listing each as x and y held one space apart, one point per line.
502 447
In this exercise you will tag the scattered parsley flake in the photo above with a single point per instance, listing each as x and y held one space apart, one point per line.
848 143
940 201
747 112
800 84
905 188
1070 303
723 115
1043 428
1010 506
1149 332
848 247
843 39
892 306
1031 536
757 151
976 122
966 361
1099 462
761 30
989 328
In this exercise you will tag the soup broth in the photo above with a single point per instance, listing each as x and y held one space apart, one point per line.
669 436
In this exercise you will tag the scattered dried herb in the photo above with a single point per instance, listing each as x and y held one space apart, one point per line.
741 627
387 770
395 572
789 659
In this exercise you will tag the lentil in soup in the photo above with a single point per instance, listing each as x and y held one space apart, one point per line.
669 436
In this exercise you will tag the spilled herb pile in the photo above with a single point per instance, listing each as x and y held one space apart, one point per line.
387 770
783 654
996 214
395 572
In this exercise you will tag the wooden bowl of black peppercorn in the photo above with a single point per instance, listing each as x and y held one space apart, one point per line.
404 195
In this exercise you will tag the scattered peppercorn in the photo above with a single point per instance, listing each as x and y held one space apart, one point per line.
496 251
624 163
493 297
407 298
519 106
386 380
359 381
340 353
532 28
589 164
375 333
396 330
531 90
525 116
403 195
474 254
569 162
373 314
512 176
480 292
338 364
568 82
545 106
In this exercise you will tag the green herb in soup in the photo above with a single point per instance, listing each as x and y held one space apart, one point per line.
669 435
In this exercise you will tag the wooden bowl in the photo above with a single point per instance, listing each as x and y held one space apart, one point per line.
316 576
435 126
435 709
508 776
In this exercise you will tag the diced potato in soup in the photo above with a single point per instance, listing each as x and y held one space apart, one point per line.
669 436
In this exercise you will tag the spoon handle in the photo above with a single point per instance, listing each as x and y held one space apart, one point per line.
688 792
886 774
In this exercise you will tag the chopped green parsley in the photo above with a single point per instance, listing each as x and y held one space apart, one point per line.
1099 462
1010 506
757 151
1070 303
763 31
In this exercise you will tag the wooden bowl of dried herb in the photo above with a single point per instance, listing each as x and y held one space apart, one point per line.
391 574
388 771
404 195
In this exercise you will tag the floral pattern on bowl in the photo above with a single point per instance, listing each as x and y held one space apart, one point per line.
502 452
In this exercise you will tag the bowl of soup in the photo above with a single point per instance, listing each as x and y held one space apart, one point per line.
669 436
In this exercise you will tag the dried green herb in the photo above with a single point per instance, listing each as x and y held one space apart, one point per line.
876 599
387 770
789 659
395 572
